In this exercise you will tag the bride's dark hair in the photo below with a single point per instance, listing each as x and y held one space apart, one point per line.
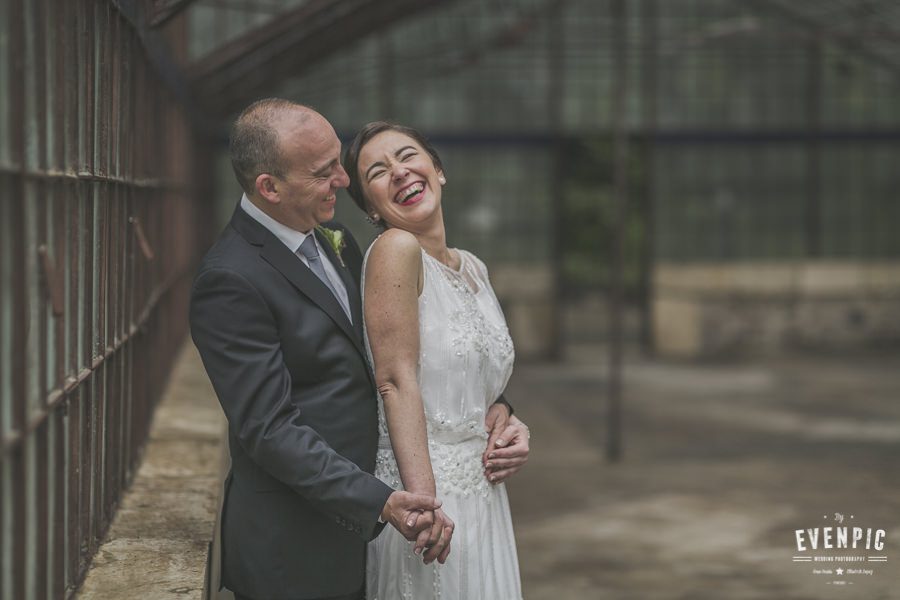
351 155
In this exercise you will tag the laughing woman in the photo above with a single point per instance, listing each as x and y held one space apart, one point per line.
441 352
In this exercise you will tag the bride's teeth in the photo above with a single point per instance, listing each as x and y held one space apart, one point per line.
410 191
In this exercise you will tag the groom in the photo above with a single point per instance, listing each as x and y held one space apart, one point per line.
275 313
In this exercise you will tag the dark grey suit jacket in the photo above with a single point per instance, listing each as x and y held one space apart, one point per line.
291 374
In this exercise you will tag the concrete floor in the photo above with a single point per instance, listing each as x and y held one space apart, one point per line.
721 464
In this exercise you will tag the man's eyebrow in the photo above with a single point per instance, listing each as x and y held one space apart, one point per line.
324 169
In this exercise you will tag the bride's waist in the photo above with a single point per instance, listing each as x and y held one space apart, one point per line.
445 436
457 466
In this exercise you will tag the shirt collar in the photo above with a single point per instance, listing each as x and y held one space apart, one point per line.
289 237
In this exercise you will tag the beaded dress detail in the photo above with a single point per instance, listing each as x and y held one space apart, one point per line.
465 360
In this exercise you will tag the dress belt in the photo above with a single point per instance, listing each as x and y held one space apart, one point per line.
443 437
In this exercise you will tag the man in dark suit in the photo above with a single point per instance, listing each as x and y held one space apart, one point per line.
275 312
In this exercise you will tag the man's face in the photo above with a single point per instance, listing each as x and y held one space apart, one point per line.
313 171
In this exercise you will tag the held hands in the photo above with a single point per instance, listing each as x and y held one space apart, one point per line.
418 518
436 540
507 447
410 514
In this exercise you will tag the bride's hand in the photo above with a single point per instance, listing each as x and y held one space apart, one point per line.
505 461
436 540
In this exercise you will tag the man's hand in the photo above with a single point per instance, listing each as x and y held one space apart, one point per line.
509 452
495 422
436 541
410 514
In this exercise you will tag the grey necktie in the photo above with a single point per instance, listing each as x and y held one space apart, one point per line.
311 252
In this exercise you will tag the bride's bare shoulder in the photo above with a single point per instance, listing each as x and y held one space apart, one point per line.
395 254
396 242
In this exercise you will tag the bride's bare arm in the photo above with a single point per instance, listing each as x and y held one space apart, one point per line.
391 307
393 285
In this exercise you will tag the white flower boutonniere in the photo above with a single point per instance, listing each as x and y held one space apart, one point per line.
335 237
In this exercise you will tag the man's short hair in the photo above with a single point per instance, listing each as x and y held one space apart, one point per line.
254 141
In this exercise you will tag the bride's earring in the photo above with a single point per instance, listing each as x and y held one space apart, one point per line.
373 219
442 179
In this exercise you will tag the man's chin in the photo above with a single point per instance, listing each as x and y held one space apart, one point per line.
326 215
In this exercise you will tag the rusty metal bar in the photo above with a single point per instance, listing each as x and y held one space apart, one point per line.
52 280
18 528
18 500
94 326
556 76
141 238
38 102
39 507
649 90
620 183
57 506
84 176
13 465
57 396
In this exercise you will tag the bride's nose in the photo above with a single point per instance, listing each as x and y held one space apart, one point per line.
399 171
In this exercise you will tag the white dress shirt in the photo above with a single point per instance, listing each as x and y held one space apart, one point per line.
292 239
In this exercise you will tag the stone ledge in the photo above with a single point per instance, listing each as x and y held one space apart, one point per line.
159 541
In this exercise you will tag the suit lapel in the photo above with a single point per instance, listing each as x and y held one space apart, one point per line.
353 296
351 286
299 275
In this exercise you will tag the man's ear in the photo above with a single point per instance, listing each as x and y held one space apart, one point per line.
267 188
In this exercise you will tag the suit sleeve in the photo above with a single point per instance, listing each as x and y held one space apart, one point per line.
238 340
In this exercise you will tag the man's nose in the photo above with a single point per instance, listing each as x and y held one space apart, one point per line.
342 180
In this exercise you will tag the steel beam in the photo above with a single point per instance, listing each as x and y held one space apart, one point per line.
163 10
234 74
853 44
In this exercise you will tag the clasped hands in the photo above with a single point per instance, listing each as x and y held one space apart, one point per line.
419 518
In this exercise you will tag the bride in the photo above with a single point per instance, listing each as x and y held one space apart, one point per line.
442 353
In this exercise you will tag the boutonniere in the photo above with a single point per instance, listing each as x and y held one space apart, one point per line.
335 238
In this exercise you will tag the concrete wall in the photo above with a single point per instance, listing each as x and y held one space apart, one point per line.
725 309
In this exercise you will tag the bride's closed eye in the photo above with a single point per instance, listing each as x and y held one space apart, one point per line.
373 172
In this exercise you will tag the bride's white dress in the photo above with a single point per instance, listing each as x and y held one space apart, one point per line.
465 360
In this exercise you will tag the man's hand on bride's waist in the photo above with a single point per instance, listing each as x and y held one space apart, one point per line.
507 452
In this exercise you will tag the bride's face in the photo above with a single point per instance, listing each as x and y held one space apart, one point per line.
399 180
